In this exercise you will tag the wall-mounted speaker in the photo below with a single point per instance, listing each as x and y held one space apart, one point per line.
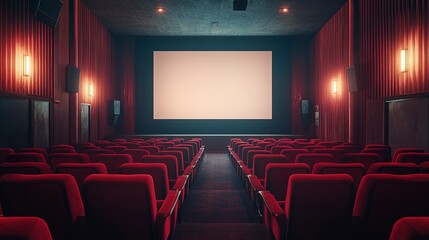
304 107
72 79
116 107
48 11
351 79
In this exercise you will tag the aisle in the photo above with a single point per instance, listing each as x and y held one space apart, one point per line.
217 206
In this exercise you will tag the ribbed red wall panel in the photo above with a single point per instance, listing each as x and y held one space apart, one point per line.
386 27
330 60
21 34
96 61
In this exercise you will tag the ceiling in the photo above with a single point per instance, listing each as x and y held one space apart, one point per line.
213 17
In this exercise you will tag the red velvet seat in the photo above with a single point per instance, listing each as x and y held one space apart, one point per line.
25 157
86 148
312 158
130 145
424 167
382 199
365 158
151 149
355 170
245 169
136 154
349 148
412 157
57 158
277 149
58 148
104 143
113 161
53 197
336 153
92 154
410 228
245 152
24 228
185 151
261 161
36 150
117 149
290 154
329 144
405 150
81 170
311 148
276 181
393 168
25 168
316 207
120 207
384 154
169 160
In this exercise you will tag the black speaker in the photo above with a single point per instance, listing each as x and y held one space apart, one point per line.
48 11
116 107
351 79
72 79
304 107
240 5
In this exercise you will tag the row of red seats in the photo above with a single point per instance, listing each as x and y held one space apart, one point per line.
158 179
312 204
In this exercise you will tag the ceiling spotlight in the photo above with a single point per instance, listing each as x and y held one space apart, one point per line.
160 10
283 10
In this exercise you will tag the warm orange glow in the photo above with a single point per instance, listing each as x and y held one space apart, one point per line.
27 67
403 60
160 10
90 89
334 87
283 10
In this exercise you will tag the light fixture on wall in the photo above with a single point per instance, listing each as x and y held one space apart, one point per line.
403 60
90 89
160 10
334 86
283 10
26 66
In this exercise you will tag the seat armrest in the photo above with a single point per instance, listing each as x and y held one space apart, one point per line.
271 203
255 183
180 183
167 215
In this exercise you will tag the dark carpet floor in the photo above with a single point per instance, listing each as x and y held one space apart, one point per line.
218 207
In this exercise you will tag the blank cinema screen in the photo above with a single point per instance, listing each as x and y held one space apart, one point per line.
212 85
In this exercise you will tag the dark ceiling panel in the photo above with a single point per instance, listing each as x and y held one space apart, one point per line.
213 17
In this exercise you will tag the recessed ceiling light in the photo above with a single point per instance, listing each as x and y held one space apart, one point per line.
160 10
283 10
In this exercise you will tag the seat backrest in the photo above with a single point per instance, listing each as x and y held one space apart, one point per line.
261 161
81 170
192 153
169 160
277 149
25 168
25 157
319 206
424 167
311 148
58 148
348 148
86 148
151 149
178 155
246 150
57 158
158 171
382 199
117 149
185 152
412 157
134 214
336 153
355 170
290 154
329 144
136 154
130 145
53 197
113 161
277 177
312 158
24 228
404 150
36 150
104 143
251 156
365 158
410 228
383 153
393 168
92 154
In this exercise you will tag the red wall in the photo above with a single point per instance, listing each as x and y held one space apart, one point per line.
369 34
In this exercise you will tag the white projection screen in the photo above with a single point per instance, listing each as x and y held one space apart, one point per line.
212 85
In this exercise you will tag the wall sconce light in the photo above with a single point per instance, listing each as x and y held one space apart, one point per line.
283 10
160 10
90 89
403 60
334 87
26 66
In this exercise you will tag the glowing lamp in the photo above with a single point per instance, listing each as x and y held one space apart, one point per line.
90 89
334 87
26 66
404 60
